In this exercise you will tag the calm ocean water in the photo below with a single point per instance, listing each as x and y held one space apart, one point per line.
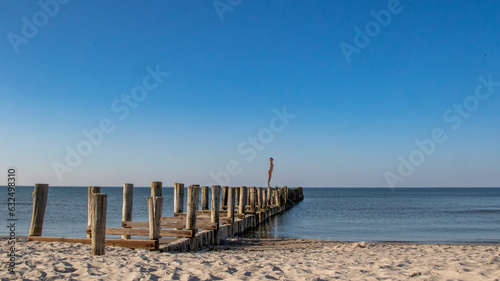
423 215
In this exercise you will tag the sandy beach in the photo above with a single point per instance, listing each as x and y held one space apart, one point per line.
253 259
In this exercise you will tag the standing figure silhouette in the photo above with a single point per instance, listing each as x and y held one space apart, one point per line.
270 172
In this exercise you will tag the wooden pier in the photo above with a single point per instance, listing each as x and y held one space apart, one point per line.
231 211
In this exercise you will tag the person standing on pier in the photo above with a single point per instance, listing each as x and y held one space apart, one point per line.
270 172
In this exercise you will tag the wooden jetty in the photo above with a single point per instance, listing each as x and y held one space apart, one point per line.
231 211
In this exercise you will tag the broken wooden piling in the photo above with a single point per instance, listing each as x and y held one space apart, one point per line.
40 195
98 226
128 199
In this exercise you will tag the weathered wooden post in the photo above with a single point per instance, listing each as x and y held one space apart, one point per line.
264 198
230 203
215 211
40 194
269 201
271 197
98 227
259 215
224 197
279 197
192 202
156 189
242 200
128 199
237 196
178 198
285 194
256 198
155 206
276 195
252 199
270 190
259 197
263 214
91 190
204 198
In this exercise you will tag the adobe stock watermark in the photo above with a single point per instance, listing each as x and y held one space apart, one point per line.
454 117
29 29
372 29
252 146
223 6
121 107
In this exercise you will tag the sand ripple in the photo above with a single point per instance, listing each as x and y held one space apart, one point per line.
268 259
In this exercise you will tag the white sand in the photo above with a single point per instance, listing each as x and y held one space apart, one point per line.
249 259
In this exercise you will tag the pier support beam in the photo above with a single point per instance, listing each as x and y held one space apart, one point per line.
252 197
259 198
155 206
230 203
243 201
128 199
192 206
178 197
99 204
91 191
156 189
223 201
178 200
237 196
215 211
40 194
204 198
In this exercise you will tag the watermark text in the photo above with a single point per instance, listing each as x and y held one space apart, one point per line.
224 6
250 147
363 37
454 117
11 218
121 107
30 27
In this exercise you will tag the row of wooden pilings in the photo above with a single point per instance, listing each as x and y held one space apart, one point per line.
189 231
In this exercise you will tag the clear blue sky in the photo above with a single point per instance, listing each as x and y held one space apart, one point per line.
67 67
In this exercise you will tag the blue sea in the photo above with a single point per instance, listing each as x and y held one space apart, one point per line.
421 215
